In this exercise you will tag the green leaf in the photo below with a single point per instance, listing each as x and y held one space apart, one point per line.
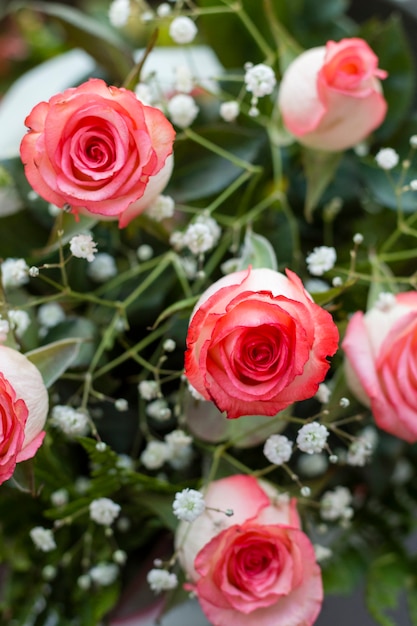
412 601
257 252
161 505
52 360
342 572
319 168
386 580
101 42
288 47
80 330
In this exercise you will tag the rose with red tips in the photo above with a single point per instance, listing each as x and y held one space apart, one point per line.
381 348
23 410
257 343
99 150
331 97
256 567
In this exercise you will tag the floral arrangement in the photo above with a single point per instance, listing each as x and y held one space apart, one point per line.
208 325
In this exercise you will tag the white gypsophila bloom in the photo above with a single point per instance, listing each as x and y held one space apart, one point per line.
147 16
102 268
361 149
385 301
278 449
322 552
50 314
163 10
229 110
60 497
316 285
211 223
144 93
83 247
181 459
144 252
177 440
387 158
189 265
53 210
119 12
176 240
260 79
124 461
104 574
169 345
4 330
119 557
359 452
323 393
33 271
358 238
20 321
413 141
321 260
71 422
413 184
104 511
182 110
195 394
188 505
121 404
161 580
155 455
312 438
198 238
161 208
14 273
182 30
159 410
84 582
335 504
311 465
148 389
82 484
43 538
183 79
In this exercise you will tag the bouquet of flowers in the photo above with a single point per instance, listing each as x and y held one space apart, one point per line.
208 330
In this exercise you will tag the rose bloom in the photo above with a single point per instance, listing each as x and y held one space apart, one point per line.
257 343
23 410
331 97
99 150
380 348
256 567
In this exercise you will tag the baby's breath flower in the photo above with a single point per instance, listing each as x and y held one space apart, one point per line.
155 455
182 110
188 505
121 404
161 580
50 314
387 158
196 394
358 238
43 538
183 79
119 12
4 330
102 268
323 393
198 238
335 504
104 574
312 437
71 422
163 10
33 271
229 110
161 208
148 389
144 93
159 410
169 345
259 79
413 141
359 452
83 247
176 240
104 511
84 582
119 557
385 301
278 449
19 321
322 552
60 497
337 281
321 260
312 464
182 30
144 252
14 273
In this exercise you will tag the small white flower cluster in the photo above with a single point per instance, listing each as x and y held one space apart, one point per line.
144 252
83 247
278 449
323 393
119 11
311 465
60 497
183 79
312 438
154 455
260 81
104 511
104 574
159 410
229 110
200 236
385 301
182 30
148 389
161 580
176 449
43 538
163 10
161 208
4 330
50 314
19 321
321 260
102 268
322 552
387 158
144 94
188 505
71 422
335 504
14 273
182 110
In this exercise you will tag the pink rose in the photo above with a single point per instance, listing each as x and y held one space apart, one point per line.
381 348
330 97
255 568
257 343
98 149
23 410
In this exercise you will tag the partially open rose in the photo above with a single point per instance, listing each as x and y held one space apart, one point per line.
255 568
98 149
257 343
23 410
331 97
381 348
